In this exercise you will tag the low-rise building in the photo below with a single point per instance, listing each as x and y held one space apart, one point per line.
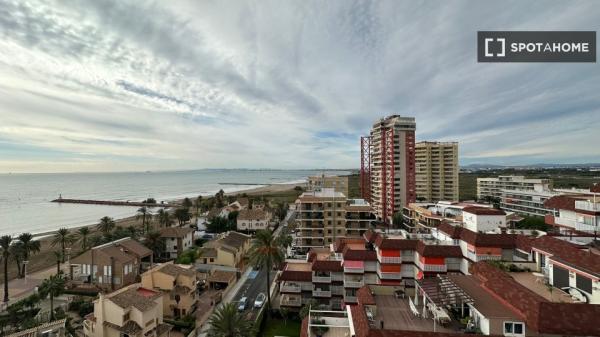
483 219
228 249
112 265
179 286
253 220
133 311
575 213
177 240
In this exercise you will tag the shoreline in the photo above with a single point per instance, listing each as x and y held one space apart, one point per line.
45 259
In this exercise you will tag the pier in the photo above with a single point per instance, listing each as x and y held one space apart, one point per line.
113 203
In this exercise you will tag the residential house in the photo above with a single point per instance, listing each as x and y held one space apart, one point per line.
133 311
253 220
112 265
228 249
177 240
177 283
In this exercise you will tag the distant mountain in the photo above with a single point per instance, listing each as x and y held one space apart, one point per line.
530 166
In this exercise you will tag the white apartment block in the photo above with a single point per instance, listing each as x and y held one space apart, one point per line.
518 194
437 171
389 195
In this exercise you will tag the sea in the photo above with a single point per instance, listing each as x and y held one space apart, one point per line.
25 199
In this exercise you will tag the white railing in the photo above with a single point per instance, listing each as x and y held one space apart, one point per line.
586 227
587 205
290 288
440 268
389 276
322 293
353 283
489 257
390 259
321 279
354 270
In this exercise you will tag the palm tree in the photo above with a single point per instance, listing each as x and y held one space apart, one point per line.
183 215
83 234
187 203
226 321
198 205
59 257
164 218
52 286
266 251
144 213
5 241
30 246
106 225
17 252
63 238
132 232
155 243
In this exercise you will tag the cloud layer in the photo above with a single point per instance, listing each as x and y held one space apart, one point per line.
129 85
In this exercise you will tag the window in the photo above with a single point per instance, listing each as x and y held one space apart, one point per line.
514 329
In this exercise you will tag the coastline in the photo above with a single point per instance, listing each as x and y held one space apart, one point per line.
45 259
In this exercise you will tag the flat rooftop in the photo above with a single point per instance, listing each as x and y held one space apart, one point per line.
298 266
538 285
396 315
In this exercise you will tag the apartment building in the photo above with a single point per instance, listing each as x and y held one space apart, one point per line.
338 183
392 165
112 265
436 171
132 311
574 213
177 240
179 286
322 216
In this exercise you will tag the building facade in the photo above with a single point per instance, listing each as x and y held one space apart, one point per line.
177 240
392 165
436 171
179 286
253 220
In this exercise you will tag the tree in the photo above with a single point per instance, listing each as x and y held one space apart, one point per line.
53 286
106 225
284 312
187 203
132 232
219 199
226 321
144 213
306 308
164 218
285 240
198 205
266 252
182 215
218 225
30 246
155 243
59 257
82 236
5 241
17 252
281 209
63 238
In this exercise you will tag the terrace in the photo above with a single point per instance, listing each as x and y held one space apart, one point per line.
327 323
537 283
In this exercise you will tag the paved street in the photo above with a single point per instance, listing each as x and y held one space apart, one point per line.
254 285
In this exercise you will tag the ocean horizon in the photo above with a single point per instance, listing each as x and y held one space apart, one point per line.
25 198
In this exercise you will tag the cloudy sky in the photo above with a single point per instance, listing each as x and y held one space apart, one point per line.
139 85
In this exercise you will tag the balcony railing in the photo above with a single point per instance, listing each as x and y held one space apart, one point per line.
337 290
321 279
322 293
337 276
389 276
389 259
350 299
290 288
440 268
353 283
291 301
354 270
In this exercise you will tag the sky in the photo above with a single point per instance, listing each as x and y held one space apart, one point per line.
140 85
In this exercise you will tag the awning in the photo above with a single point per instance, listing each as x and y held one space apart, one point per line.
354 264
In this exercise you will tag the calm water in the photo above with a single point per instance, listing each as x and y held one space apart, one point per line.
25 198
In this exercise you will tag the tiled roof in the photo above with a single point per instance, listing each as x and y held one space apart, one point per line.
360 255
174 270
340 243
360 320
175 232
364 296
438 250
253 214
208 252
235 239
135 247
539 314
331 265
568 253
478 210
567 202
401 244
132 298
295 275
451 231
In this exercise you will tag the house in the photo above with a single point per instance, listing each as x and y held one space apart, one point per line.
177 240
112 265
228 249
132 311
253 220
177 283
574 213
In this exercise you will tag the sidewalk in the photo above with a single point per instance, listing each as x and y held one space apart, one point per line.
18 289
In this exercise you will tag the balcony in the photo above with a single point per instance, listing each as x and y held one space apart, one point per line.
321 278
321 293
337 290
439 268
290 301
337 276
389 276
290 288
473 257
353 283
354 270
389 259
350 298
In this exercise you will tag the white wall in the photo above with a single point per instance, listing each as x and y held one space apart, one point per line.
483 223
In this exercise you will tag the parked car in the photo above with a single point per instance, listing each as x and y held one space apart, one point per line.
260 300
242 304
